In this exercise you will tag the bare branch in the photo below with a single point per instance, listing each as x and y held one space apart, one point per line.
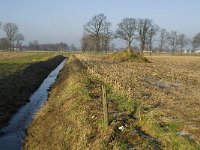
126 30
11 30
97 30
196 42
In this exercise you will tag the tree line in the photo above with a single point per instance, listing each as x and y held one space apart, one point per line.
61 46
97 36
14 39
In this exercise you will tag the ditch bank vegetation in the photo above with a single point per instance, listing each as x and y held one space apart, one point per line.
16 88
72 118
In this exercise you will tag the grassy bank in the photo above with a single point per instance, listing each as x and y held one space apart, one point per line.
72 118
11 62
64 113
20 75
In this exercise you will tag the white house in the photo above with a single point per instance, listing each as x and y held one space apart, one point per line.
197 51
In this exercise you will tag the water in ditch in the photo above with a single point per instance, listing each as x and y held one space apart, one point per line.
13 134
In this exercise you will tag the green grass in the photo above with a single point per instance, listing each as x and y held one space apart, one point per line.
121 146
167 134
123 103
11 62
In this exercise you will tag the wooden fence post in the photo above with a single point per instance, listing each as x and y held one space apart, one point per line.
105 106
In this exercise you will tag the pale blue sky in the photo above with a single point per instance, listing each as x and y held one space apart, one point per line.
63 20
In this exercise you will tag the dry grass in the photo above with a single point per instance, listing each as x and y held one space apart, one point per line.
72 116
125 55
157 103
168 88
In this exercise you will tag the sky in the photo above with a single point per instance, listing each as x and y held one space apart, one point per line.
51 21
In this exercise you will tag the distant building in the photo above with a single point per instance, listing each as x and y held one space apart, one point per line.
197 51
185 51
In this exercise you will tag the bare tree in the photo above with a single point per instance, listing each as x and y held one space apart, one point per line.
0 28
126 31
11 30
174 40
183 41
34 45
96 27
0 25
151 33
106 38
61 46
18 38
163 37
73 47
196 41
4 44
88 43
143 27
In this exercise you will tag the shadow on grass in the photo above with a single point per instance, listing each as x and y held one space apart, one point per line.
16 88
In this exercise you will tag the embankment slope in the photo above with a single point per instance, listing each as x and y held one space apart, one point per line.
16 88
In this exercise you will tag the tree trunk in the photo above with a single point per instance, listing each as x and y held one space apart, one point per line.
173 51
129 44
142 46
129 50
98 45
150 45
9 44
160 50
181 50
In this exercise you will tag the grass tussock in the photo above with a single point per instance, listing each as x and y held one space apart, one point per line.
126 55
